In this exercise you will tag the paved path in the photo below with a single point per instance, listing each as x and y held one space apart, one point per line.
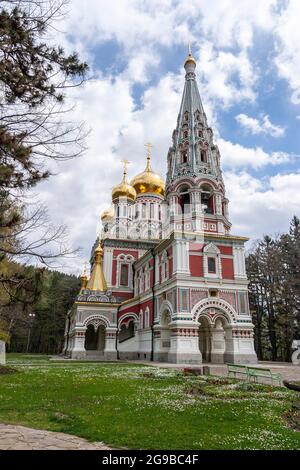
20 438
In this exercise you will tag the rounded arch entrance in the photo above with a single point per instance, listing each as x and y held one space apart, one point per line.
216 319
95 335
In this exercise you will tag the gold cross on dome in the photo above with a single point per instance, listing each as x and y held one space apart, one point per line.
125 163
190 48
148 145
84 267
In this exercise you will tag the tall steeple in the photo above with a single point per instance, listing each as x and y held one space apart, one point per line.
193 152
194 185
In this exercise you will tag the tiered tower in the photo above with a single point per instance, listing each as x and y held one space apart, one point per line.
195 189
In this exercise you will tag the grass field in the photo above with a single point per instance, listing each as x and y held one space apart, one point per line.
140 407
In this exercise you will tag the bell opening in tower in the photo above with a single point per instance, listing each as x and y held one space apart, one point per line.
207 201
184 201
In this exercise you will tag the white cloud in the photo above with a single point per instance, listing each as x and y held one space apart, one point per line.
262 207
225 77
260 126
288 47
236 155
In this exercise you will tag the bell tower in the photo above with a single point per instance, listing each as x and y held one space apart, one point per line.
195 189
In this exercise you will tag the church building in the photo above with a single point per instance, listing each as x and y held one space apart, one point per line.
168 279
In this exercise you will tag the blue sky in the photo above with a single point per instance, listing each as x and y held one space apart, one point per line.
248 70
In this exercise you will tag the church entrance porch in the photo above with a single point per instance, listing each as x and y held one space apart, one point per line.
95 339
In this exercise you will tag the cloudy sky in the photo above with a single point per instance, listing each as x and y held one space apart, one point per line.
248 71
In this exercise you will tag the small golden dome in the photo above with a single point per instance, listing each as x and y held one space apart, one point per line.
108 214
148 181
124 189
98 250
190 58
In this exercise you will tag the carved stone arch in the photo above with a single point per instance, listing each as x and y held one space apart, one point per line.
96 320
211 248
202 182
165 306
224 309
126 316
184 182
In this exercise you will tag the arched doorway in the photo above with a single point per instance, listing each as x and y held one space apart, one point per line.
213 341
95 337
90 343
205 338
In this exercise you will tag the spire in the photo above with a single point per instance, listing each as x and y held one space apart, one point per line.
193 152
97 280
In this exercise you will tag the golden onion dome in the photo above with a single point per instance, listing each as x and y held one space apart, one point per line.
148 181
124 189
108 214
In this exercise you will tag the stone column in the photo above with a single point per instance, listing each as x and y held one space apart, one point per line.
239 345
184 343
217 345
161 343
181 257
239 262
78 350
110 351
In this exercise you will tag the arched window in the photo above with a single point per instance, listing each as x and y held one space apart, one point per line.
184 156
203 156
212 261
186 116
124 275
185 134
124 270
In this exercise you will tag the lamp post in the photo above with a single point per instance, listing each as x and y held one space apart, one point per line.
30 323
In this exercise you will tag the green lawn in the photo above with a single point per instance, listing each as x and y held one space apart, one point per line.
143 407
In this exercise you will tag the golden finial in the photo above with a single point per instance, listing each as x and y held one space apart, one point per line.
190 57
84 279
148 145
125 163
84 267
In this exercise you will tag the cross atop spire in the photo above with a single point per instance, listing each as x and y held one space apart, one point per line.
148 145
